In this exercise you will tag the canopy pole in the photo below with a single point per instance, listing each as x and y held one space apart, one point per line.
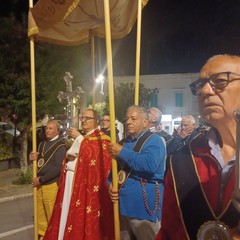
112 112
34 141
138 44
93 71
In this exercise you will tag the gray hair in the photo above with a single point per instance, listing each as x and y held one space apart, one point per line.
157 114
190 117
141 110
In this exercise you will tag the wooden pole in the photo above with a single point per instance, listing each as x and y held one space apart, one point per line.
93 71
34 139
138 44
112 112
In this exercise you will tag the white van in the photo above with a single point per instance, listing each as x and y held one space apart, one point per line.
6 128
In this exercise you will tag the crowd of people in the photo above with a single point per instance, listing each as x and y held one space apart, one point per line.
170 187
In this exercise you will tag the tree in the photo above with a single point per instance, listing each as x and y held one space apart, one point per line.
51 64
124 97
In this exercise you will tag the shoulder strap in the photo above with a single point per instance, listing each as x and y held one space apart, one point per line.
124 171
189 191
50 152
140 142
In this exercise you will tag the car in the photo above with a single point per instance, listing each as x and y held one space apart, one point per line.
7 128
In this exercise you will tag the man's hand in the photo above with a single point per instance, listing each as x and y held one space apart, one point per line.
36 182
33 156
113 193
114 149
73 133
185 132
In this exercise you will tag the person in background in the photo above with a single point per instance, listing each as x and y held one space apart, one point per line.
90 212
188 125
155 125
106 126
141 170
200 197
49 157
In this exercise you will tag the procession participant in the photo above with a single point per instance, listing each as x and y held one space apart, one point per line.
50 155
199 185
105 126
155 125
142 158
185 135
90 213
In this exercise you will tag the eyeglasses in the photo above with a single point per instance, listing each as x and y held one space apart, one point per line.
133 119
105 120
217 82
86 118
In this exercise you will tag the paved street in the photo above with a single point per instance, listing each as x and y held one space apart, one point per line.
16 219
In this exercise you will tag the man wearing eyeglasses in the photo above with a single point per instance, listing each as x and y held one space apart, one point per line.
200 183
90 213
140 191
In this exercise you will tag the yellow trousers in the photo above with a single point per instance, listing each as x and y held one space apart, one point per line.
46 196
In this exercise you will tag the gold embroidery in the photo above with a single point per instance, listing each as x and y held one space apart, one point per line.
104 146
70 228
93 162
89 210
77 202
95 188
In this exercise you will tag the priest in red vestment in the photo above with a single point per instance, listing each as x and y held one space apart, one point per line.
90 215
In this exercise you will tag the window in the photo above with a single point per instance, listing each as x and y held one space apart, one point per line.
154 100
178 99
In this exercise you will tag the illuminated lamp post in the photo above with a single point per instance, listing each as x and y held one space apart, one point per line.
100 79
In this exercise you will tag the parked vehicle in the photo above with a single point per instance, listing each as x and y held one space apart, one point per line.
7 128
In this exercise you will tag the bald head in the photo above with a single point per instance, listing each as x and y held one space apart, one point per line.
221 63
218 94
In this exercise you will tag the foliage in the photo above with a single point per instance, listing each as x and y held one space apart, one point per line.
51 64
124 97
5 153
101 107
24 178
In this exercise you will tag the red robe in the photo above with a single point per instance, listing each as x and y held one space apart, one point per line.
90 214
207 170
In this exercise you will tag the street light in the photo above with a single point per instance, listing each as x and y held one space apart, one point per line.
100 79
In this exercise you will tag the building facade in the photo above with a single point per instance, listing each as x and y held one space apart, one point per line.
170 93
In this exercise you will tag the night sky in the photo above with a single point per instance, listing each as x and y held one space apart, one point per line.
180 35
177 35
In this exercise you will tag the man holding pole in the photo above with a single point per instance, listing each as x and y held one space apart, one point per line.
141 170
199 185
50 155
